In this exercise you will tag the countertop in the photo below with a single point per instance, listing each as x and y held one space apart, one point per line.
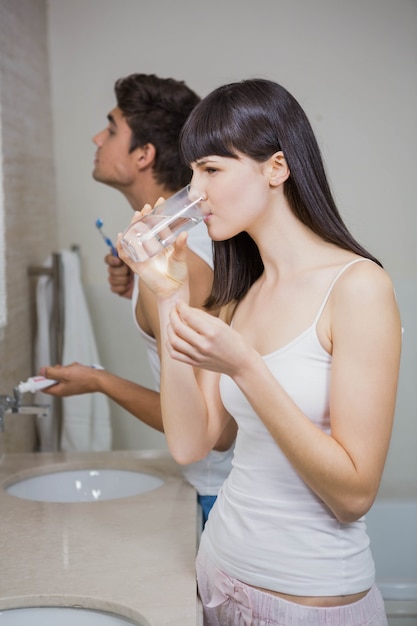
132 556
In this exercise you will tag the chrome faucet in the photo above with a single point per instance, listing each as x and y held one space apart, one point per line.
5 404
13 404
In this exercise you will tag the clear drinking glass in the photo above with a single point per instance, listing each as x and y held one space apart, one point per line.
158 229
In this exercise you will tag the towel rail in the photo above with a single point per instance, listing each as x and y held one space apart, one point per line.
57 299
57 321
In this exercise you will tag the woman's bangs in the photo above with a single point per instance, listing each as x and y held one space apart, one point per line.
204 135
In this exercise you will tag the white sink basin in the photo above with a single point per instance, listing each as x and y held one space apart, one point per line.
83 485
64 616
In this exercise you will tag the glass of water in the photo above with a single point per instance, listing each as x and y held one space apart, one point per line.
158 229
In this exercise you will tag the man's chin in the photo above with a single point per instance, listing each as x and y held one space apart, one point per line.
97 177
103 179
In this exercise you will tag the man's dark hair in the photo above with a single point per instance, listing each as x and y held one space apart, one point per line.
155 110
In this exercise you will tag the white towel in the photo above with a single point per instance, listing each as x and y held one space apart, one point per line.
86 421
85 418
44 354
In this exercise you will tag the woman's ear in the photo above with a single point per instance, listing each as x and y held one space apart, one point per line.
145 156
278 169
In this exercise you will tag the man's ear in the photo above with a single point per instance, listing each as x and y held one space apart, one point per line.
278 169
145 156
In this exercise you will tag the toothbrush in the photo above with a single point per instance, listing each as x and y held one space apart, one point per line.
108 241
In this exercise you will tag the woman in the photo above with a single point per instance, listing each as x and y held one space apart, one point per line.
305 357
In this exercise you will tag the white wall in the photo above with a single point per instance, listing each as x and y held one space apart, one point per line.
352 65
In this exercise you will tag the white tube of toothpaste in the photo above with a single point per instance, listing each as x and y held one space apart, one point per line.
35 383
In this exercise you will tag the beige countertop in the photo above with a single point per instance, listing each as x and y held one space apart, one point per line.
132 556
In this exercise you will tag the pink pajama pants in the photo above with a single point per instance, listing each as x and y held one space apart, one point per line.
229 602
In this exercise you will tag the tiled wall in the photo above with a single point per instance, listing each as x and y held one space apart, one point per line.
28 173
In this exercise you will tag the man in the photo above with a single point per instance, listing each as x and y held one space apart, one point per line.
138 154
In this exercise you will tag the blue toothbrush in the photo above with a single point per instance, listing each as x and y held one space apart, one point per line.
108 241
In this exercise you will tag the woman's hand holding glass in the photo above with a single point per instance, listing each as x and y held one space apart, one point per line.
165 273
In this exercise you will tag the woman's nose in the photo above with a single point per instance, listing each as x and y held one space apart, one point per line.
196 191
195 194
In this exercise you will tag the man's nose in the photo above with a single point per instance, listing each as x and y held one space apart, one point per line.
98 139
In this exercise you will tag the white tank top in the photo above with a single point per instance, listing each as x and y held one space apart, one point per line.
207 475
268 528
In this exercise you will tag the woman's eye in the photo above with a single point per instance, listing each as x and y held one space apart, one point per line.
211 170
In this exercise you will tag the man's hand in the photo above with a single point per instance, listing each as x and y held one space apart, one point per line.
72 380
120 276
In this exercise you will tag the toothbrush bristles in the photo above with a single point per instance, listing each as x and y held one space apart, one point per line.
108 241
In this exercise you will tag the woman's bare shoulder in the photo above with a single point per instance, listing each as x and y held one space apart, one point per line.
364 284
365 275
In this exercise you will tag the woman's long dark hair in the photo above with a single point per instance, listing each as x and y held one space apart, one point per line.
258 118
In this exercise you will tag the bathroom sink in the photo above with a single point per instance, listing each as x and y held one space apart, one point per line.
83 485
64 616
